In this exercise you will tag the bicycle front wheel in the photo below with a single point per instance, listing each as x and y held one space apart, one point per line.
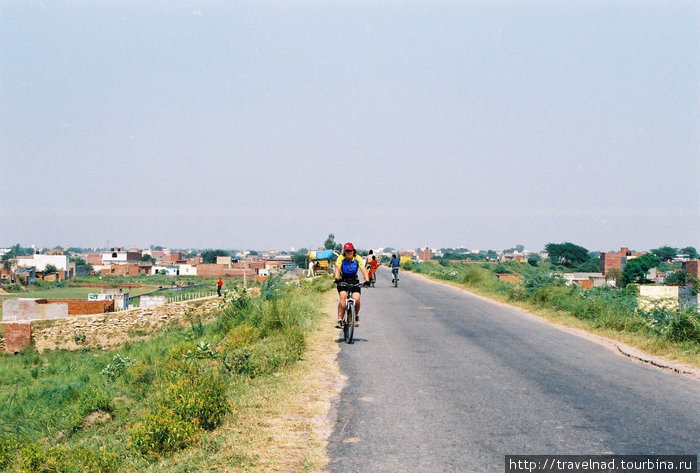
349 328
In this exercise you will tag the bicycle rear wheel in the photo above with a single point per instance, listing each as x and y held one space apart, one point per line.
349 328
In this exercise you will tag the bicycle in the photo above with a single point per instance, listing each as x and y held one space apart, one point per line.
395 272
348 320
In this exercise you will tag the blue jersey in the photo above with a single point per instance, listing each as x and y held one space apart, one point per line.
394 263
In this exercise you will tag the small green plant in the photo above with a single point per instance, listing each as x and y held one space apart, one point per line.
117 367
79 337
203 351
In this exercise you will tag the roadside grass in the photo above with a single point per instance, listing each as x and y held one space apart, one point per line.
605 311
209 397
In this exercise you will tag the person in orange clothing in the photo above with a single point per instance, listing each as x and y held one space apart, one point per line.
218 286
373 265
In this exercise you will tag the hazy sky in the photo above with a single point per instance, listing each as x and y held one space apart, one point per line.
388 123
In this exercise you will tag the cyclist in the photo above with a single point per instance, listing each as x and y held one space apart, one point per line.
346 268
394 265
373 265
368 261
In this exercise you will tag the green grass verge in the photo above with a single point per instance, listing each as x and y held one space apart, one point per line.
137 407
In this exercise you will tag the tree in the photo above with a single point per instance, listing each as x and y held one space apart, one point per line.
9 262
636 269
677 278
50 269
566 254
519 248
330 244
616 274
690 251
534 259
665 253
300 258
590 266
148 258
209 256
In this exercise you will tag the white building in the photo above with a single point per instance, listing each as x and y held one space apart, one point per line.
120 256
39 262
187 270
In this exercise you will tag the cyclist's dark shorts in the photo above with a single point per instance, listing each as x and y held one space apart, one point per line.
352 289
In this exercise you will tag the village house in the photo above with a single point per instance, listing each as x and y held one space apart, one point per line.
121 256
39 262
616 260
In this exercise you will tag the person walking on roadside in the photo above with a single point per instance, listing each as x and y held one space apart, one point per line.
219 283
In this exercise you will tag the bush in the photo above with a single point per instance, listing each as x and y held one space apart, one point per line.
202 400
685 326
141 375
162 431
502 269
240 336
117 367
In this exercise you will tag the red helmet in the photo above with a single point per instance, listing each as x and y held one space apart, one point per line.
348 246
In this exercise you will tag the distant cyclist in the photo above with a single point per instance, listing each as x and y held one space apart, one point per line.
346 267
394 265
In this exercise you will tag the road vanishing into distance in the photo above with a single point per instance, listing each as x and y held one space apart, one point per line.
443 381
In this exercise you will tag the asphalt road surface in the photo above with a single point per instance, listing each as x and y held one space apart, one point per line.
442 381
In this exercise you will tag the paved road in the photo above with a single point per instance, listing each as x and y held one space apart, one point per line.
442 381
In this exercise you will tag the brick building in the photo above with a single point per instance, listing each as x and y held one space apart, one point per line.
425 255
692 268
615 260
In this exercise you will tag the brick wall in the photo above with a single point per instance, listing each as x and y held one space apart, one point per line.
122 270
17 336
692 268
221 270
509 278
114 329
81 307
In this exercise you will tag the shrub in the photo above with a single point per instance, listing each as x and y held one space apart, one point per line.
240 336
202 401
237 360
502 269
534 281
117 367
162 431
141 375
685 326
